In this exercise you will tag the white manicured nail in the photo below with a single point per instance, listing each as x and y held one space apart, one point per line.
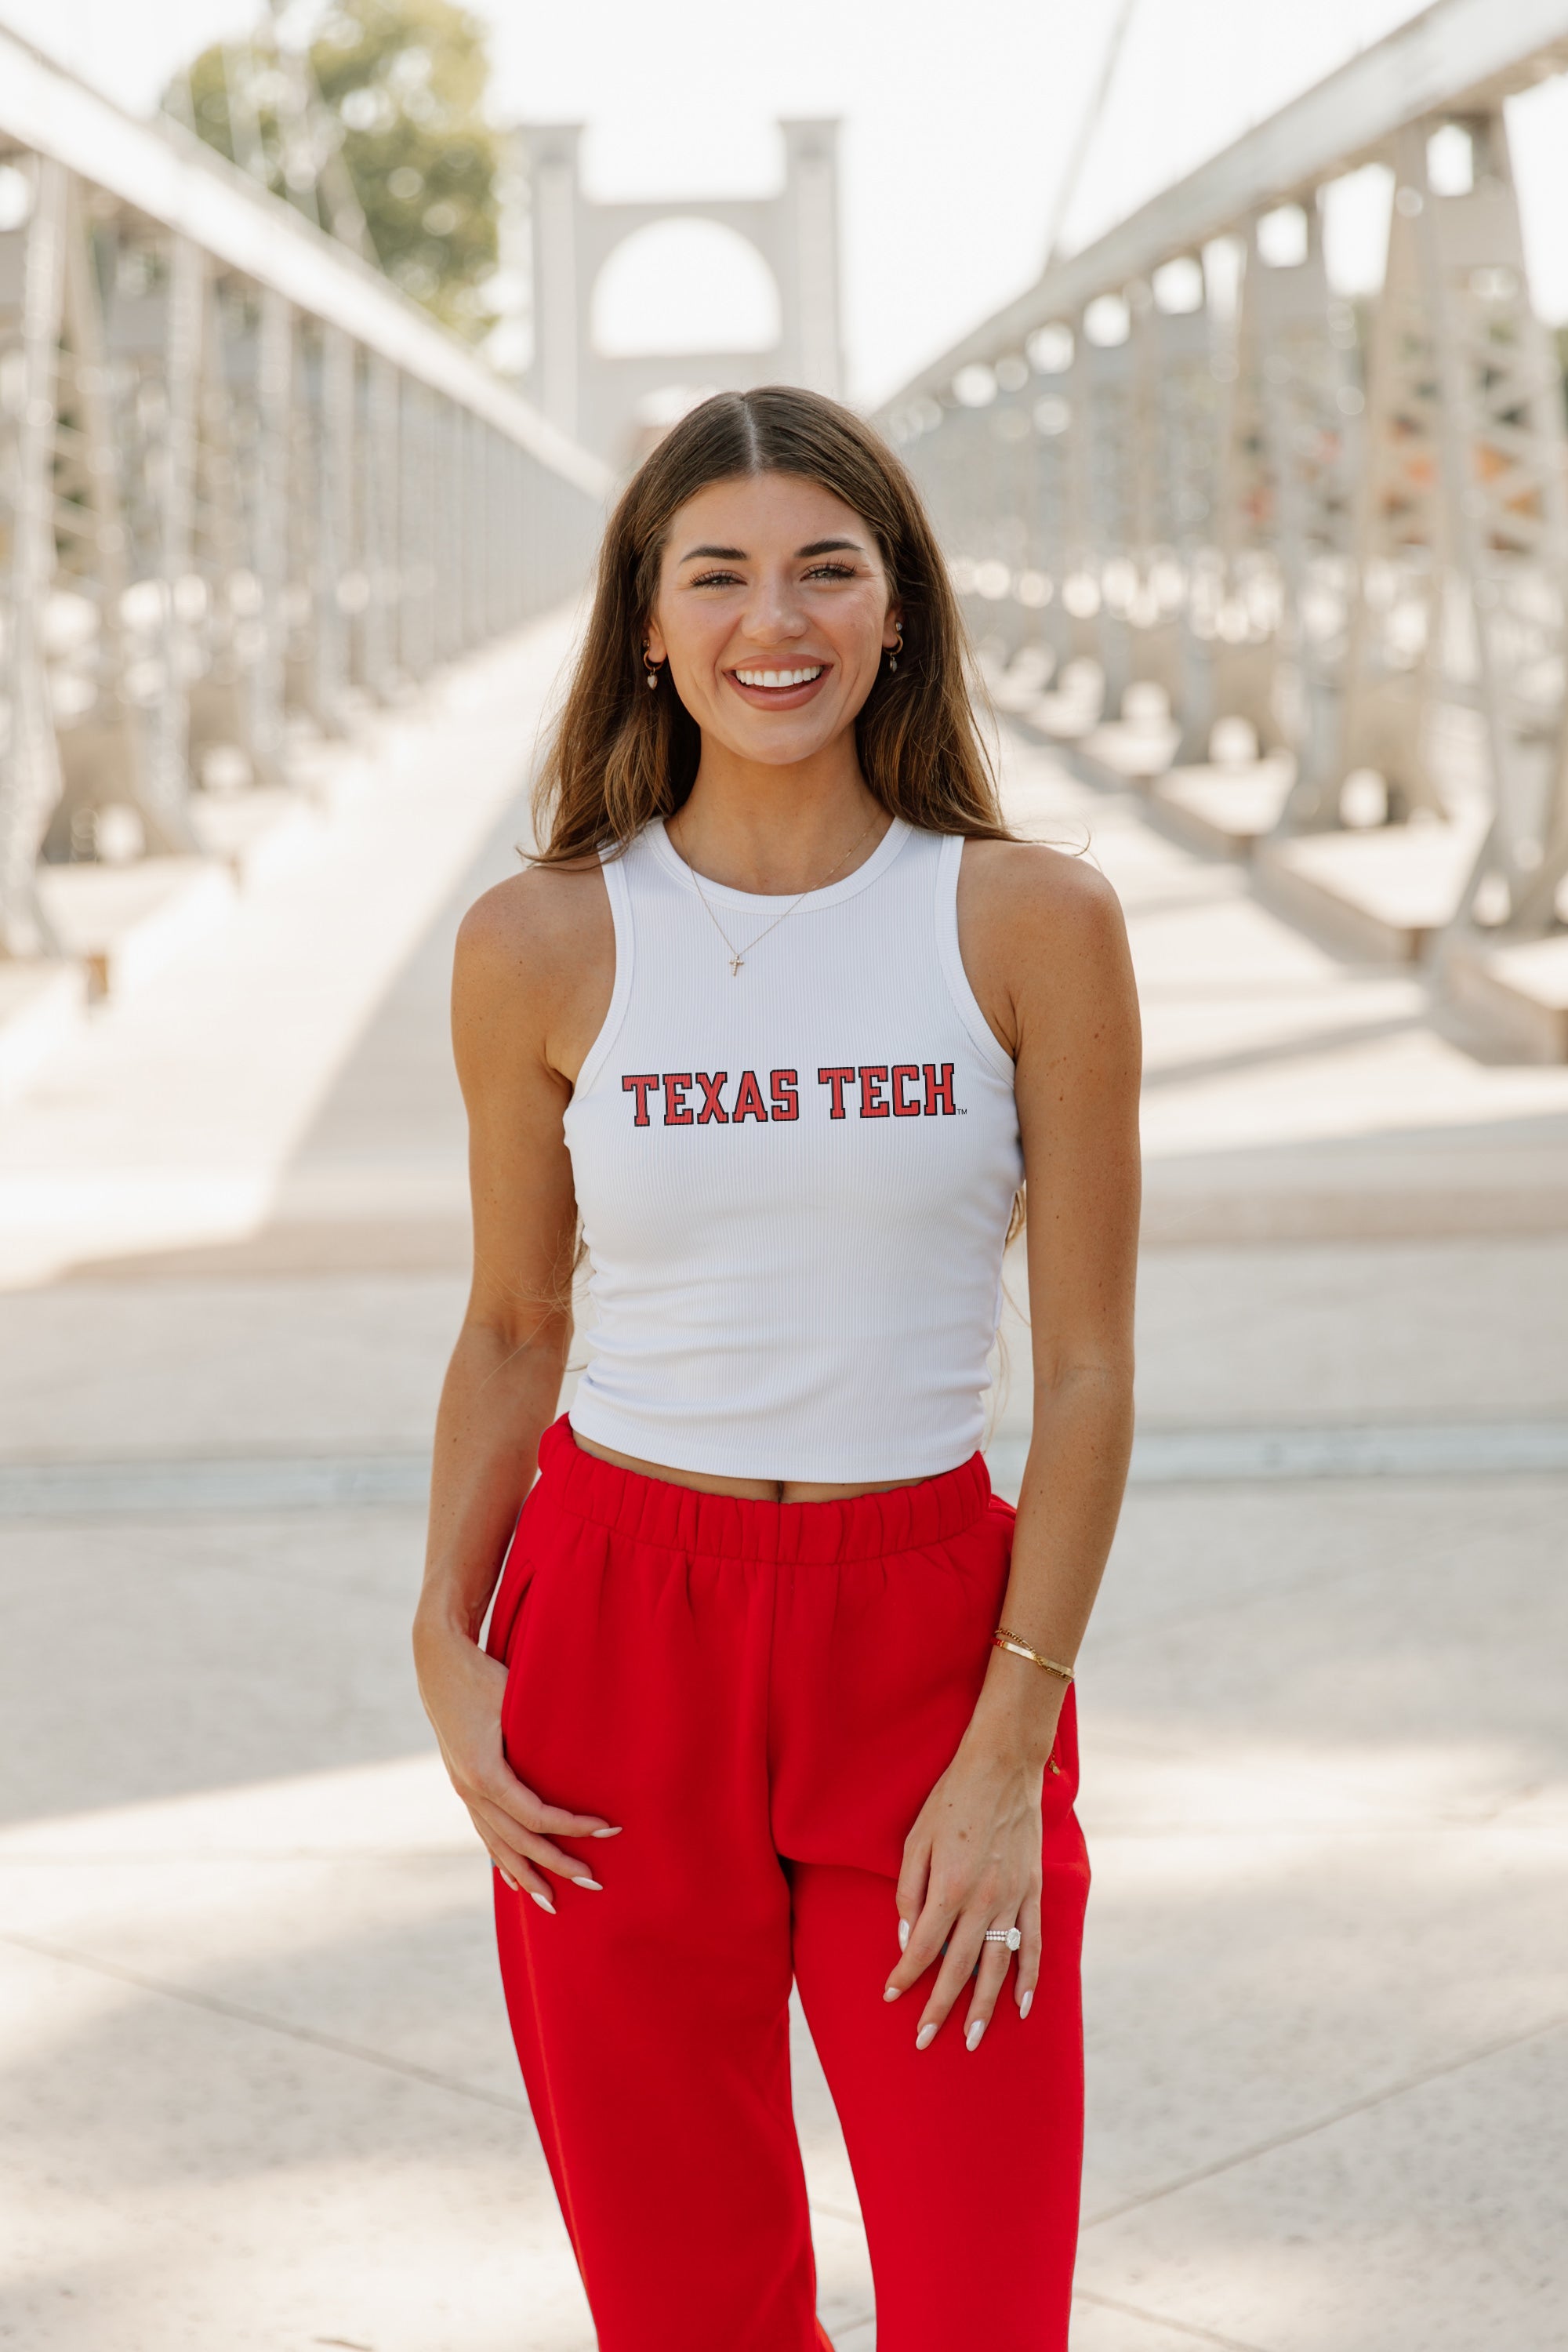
545 1902
925 2037
614 1833
1027 2002
592 1885
509 1882
903 1935
892 1992
972 2038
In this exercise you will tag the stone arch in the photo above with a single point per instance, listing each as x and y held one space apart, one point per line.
681 286
600 397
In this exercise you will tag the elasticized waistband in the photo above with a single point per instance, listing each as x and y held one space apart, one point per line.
733 1526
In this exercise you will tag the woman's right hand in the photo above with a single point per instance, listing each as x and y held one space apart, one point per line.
462 1690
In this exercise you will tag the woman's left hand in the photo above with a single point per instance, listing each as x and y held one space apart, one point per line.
972 1861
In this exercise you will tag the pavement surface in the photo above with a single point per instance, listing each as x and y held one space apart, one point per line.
257 2087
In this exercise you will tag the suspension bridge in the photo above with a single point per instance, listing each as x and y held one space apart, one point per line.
1193 508
247 487
1302 582
1266 589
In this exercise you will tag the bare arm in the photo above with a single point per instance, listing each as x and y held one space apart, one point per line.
530 969
1078 1077
1046 953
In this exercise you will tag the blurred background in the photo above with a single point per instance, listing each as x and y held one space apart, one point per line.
1228 345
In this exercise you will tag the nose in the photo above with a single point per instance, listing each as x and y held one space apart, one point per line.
774 615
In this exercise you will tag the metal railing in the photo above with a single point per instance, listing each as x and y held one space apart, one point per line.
1176 458
242 479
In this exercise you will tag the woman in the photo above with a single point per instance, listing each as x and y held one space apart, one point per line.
785 1016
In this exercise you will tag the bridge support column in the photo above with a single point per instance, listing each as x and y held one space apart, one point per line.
811 206
32 296
168 749
1240 631
269 515
337 562
1296 344
220 707
558 326
105 754
451 524
380 475
476 524
1505 474
413 547
1395 657
1103 425
1048 449
1161 347
1178 401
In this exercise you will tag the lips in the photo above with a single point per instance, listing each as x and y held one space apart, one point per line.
801 676
778 689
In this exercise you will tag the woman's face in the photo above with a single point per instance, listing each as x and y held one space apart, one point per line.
774 615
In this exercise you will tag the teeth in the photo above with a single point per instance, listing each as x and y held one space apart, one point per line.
779 676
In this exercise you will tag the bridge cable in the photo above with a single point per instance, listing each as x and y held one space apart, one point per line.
1088 127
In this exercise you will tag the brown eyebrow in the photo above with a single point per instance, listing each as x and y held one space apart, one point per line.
737 554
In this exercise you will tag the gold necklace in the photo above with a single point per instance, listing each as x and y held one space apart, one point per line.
738 955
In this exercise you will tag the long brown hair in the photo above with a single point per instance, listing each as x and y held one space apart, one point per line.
620 756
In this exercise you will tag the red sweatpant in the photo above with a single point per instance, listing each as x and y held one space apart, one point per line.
764 1695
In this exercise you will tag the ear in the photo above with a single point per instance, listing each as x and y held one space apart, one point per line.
654 640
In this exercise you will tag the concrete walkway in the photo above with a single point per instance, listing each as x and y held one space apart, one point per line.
258 2086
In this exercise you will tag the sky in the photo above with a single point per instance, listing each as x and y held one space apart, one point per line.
958 117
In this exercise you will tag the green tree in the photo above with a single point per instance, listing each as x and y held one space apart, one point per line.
390 93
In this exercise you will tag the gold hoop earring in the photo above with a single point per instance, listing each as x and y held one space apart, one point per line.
894 651
651 669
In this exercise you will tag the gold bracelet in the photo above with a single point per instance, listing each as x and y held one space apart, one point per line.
1003 1640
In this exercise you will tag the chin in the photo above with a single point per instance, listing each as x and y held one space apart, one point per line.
769 752
773 743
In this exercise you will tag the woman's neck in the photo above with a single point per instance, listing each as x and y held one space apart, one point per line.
778 830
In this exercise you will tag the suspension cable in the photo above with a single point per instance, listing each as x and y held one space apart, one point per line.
1068 187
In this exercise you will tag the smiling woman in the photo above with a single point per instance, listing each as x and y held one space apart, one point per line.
779 1016
865 559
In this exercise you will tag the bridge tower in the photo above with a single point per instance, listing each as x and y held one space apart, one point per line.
601 400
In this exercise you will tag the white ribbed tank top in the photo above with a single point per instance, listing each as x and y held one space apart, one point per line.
794 1181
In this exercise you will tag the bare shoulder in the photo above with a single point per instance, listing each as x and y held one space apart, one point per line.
1030 887
1040 931
537 954
535 922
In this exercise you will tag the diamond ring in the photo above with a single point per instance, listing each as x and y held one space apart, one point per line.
1011 1937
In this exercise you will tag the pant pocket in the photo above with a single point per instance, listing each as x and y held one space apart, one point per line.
516 1576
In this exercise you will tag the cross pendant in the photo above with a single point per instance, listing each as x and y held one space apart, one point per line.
735 964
